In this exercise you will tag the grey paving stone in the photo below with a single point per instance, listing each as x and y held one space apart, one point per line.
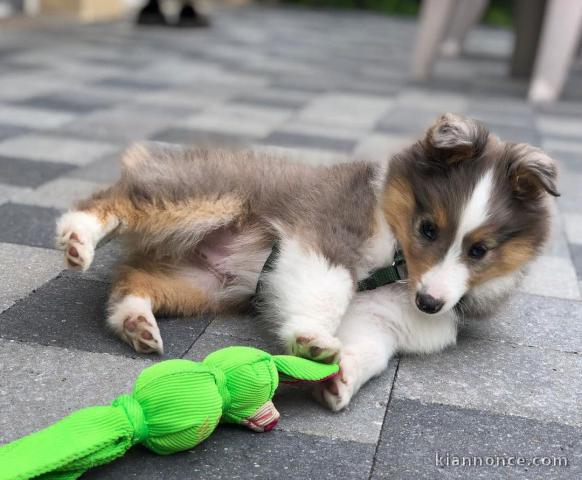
121 124
516 133
103 170
65 102
61 193
28 225
59 149
232 452
192 137
246 120
577 258
131 84
41 385
28 173
28 117
278 98
349 110
8 192
563 282
35 266
499 378
571 161
415 432
406 120
535 321
287 139
243 326
9 131
70 312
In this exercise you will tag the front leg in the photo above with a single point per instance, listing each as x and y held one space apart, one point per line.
369 336
305 296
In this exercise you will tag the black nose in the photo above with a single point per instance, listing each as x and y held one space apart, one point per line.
427 303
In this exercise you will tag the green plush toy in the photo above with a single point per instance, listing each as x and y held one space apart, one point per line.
175 405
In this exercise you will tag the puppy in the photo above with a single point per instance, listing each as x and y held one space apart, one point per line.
467 210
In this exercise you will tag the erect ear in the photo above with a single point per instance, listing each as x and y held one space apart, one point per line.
454 138
531 170
295 369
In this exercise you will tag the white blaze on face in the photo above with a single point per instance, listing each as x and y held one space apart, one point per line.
448 280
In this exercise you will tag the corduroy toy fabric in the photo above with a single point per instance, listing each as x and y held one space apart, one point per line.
174 405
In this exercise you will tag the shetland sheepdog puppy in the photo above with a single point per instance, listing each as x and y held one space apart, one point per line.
467 210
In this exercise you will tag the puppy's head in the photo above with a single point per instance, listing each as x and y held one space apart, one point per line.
468 210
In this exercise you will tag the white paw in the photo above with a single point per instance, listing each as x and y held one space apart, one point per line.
337 393
77 235
316 346
132 319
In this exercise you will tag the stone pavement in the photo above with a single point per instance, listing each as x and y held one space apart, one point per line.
320 84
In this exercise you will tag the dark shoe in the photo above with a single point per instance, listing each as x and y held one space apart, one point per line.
190 18
151 14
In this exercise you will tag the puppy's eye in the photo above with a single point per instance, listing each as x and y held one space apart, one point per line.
477 251
428 230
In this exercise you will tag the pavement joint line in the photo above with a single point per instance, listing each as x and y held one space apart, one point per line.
390 395
522 345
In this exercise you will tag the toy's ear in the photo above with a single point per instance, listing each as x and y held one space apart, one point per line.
295 369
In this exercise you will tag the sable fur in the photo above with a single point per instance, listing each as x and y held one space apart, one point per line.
199 224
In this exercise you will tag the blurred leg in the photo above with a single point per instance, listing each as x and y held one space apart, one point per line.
434 20
560 36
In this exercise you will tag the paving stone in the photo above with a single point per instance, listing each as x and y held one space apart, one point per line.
9 131
29 173
178 97
61 193
8 192
568 161
577 257
244 120
106 169
35 266
66 102
278 98
41 385
432 103
243 326
304 127
499 378
381 146
573 227
561 283
33 117
410 121
286 139
55 149
415 432
558 143
70 312
131 84
28 225
192 137
121 125
560 126
345 110
233 452
515 133
533 321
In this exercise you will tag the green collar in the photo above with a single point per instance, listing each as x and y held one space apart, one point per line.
385 275
376 279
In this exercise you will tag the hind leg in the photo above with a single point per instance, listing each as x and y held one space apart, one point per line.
142 290
80 230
